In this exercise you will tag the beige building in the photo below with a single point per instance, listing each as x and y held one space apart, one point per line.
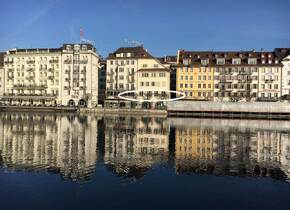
133 68
1 73
56 76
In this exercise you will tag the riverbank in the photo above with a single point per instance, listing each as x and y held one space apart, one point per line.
242 110
246 110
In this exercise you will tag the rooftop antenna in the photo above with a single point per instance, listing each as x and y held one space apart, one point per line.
133 43
81 34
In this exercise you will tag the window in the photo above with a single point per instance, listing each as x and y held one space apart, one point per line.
153 84
145 65
204 62
252 61
236 61
220 61
181 85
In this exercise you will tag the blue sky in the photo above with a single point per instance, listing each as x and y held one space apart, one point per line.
164 26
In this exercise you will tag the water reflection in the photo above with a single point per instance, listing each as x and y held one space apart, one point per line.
131 146
64 144
233 147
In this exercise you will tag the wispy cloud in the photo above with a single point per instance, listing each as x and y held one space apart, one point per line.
29 22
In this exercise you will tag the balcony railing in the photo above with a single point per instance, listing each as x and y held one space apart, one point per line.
269 80
53 61
30 62
30 69
83 61
31 87
8 62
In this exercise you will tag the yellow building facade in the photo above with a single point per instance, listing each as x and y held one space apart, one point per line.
197 82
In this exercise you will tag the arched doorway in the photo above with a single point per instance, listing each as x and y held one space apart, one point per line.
133 104
82 103
159 105
71 103
146 105
122 104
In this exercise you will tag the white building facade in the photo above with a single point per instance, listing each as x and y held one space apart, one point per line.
65 76
286 76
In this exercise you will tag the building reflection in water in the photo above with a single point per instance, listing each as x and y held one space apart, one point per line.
64 144
131 146
134 145
233 147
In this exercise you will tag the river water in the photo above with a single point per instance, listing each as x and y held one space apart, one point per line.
68 161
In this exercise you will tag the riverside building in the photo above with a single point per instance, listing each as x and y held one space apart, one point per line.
51 76
229 76
134 69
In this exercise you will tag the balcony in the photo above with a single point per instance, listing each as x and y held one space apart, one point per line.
83 61
67 61
53 61
31 77
30 87
50 70
30 69
110 81
30 62
8 62
269 80
83 88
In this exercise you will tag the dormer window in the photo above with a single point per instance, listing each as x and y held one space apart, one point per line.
263 61
118 55
185 62
128 54
269 55
220 61
236 61
204 62
276 61
252 61
84 47
262 55
270 61
68 47
77 47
